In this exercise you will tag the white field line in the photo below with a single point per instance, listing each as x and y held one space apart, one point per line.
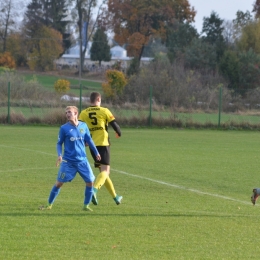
25 149
183 188
137 176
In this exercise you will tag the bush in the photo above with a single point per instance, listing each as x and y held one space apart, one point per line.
6 60
62 86
115 83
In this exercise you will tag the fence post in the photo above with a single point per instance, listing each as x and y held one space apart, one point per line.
8 104
80 98
219 106
150 115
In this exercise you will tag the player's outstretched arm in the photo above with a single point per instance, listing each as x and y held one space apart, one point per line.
116 127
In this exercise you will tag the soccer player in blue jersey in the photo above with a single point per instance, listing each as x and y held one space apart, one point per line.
73 135
97 118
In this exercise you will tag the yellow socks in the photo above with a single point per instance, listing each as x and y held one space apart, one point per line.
104 179
110 187
100 180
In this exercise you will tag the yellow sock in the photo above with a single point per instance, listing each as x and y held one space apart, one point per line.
110 187
100 180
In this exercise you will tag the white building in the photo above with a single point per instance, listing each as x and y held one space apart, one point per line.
71 57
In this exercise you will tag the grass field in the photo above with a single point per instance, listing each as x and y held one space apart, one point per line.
186 196
48 82
200 118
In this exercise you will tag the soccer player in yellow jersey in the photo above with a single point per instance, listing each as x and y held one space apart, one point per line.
97 118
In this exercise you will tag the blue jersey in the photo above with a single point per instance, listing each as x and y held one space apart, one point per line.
74 139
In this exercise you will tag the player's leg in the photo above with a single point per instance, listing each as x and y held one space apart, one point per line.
54 193
255 195
99 182
102 176
87 175
102 165
66 173
110 187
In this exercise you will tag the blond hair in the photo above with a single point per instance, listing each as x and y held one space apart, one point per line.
72 107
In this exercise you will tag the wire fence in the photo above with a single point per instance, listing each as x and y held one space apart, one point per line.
222 113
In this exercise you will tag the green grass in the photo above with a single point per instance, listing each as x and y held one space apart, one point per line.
48 81
195 117
186 196
201 118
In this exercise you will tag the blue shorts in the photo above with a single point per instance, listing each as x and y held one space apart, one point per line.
68 171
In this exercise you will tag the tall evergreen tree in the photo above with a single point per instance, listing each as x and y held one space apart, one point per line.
213 33
100 50
51 13
179 37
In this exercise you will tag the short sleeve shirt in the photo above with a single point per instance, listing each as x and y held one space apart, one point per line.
97 119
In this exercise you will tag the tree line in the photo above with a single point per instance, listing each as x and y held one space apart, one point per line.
150 28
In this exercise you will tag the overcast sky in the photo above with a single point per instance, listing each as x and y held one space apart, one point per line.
226 9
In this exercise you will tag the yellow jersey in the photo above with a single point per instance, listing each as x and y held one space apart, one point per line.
97 119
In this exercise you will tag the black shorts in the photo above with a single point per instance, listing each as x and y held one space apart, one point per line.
104 152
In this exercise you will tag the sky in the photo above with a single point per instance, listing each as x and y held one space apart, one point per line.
226 9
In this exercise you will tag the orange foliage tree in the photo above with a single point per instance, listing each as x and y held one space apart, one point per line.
16 45
6 60
115 83
45 48
135 21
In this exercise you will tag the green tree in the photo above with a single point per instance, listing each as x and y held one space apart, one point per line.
242 19
249 70
256 8
178 38
100 50
241 69
212 33
201 55
229 68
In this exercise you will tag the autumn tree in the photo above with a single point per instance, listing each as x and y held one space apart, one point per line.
250 37
100 50
52 14
9 10
6 60
16 45
45 48
134 21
